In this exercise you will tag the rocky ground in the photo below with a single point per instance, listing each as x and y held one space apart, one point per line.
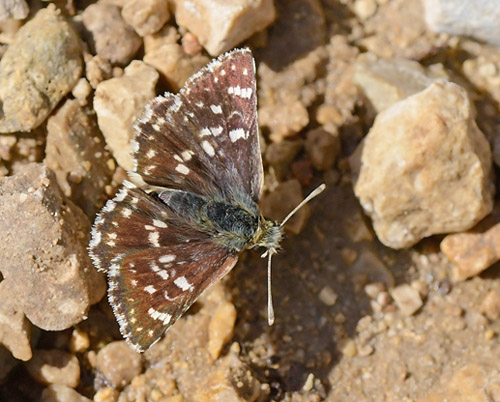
387 287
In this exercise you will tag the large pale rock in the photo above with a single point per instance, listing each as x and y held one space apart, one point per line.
479 19
425 167
387 81
38 69
43 253
118 102
221 25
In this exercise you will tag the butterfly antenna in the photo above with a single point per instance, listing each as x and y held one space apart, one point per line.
318 190
270 309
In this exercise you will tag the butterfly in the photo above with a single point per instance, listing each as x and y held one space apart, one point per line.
191 206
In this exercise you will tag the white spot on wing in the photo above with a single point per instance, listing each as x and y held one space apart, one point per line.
153 239
150 289
237 133
216 130
183 169
187 155
167 258
157 315
245 93
208 148
216 109
159 224
204 132
126 212
151 153
183 284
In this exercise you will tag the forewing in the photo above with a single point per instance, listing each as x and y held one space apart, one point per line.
157 264
205 139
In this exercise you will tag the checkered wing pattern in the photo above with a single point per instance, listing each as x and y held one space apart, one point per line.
205 139
157 264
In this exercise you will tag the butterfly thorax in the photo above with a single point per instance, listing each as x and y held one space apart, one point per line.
235 224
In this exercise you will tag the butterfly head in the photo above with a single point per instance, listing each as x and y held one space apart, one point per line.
268 235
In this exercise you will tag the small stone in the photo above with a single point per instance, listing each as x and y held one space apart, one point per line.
323 148
387 81
364 9
281 154
190 44
349 348
118 102
81 91
119 363
328 296
475 18
221 26
43 255
107 394
472 253
112 38
309 384
13 9
62 393
419 177
170 60
15 328
490 306
489 334
365 350
221 327
79 341
146 16
97 69
284 120
71 146
407 299
283 199
38 69
374 289
54 367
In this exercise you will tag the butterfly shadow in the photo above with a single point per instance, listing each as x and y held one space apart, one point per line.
318 281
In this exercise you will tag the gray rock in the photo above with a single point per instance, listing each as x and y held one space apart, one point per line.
479 19
119 363
43 253
112 38
387 81
13 9
40 67
422 176
75 152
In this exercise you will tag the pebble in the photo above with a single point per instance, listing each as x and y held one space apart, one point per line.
221 328
112 38
170 59
119 363
490 306
62 393
474 18
146 16
322 148
419 177
281 154
407 299
107 394
222 26
328 296
285 119
15 328
79 341
118 102
38 69
284 198
364 9
472 253
97 69
54 367
51 276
